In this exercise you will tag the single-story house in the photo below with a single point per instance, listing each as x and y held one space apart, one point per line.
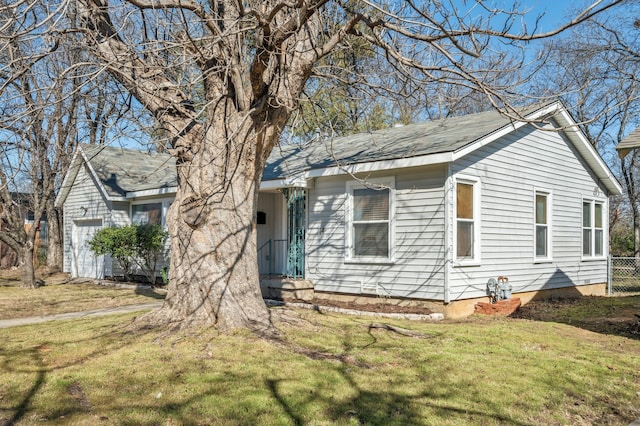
422 214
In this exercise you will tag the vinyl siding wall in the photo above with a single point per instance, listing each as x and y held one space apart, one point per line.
119 217
83 195
418 270
272 259
510 170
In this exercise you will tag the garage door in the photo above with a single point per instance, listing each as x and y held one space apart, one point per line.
83 262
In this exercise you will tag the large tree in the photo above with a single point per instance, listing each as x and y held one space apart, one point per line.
222 77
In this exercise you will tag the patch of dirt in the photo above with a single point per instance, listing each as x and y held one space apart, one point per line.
608 315
76 391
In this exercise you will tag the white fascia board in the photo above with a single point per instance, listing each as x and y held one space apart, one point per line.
151 192
375 166
101 187
299 181
273 184
505 130
588 152
66 185
559 112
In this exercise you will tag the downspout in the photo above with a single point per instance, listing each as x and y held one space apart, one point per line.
447 227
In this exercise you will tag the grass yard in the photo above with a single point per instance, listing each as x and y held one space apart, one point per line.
59 296
328 369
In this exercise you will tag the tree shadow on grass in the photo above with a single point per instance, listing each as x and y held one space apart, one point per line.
383 407
397 404
33 359
22 407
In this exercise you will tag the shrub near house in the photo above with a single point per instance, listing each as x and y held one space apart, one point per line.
131 245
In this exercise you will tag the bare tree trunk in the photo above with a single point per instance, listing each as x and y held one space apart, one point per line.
54 246
214 278
27 266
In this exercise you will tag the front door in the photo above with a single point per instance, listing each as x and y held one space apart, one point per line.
296 231
83 262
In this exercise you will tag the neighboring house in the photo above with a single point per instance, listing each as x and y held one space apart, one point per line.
628 144
422 214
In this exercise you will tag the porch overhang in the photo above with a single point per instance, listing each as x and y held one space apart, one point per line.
291 182
168 191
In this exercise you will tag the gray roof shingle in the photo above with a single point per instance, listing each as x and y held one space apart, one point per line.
126 170
628 144
413 140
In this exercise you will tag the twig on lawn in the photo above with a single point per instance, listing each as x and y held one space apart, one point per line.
401 331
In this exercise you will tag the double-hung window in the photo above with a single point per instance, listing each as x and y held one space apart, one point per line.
467 218
369 220
542 232
592 228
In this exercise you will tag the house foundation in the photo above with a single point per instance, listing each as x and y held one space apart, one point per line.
287 289
290 290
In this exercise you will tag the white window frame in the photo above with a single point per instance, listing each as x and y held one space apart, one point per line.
383 182
605 219
166 202
549 195
476 260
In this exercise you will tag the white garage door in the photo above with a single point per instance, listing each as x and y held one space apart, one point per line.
83 262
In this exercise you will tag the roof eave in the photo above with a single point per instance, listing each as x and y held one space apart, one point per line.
370 166
71 174
168 190
100 185
573 132
588 151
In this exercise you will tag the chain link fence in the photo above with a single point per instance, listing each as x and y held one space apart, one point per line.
624 275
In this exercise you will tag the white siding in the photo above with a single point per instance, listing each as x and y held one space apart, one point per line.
119 217
83 203
274 260
418 270
510 169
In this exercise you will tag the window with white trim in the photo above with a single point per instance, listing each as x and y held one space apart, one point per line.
467 218
542 232
146 214
154 213
369 220
592 228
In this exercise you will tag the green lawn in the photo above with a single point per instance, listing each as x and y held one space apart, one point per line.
325 369
59 296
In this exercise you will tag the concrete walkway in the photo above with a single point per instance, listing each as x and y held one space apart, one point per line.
70 315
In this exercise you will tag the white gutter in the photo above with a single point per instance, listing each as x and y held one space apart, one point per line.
373 166
152 192
299 181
